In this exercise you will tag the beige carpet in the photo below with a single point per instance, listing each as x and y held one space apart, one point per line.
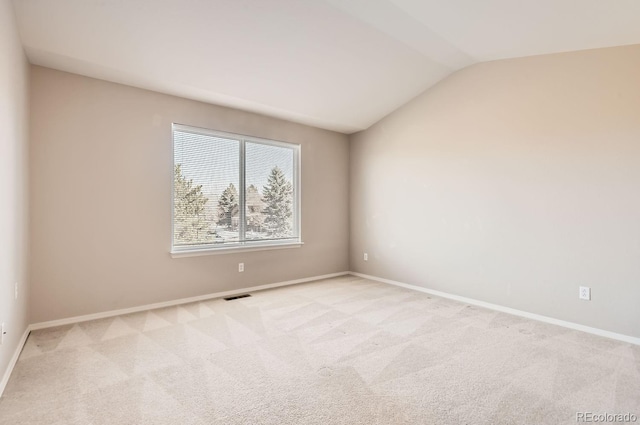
337 351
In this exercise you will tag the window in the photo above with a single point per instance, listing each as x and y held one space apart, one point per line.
233 191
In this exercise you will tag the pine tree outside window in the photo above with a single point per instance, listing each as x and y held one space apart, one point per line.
233 192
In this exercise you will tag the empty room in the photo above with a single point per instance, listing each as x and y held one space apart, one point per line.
319 212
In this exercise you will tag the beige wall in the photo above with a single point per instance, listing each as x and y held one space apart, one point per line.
101 175
14 78
512 182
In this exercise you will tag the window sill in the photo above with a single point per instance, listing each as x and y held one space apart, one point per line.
198 252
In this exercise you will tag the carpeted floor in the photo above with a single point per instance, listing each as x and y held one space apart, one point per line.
338 351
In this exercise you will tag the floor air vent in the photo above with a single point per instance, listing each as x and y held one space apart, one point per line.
236 297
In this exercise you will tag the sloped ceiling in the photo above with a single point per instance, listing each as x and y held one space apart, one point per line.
335 64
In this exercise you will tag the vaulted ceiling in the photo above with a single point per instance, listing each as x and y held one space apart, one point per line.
335 64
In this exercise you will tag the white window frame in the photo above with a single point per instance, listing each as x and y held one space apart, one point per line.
250 245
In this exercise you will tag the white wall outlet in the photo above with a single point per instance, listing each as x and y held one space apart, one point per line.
2 333
585 293
16 290
366 257
240 267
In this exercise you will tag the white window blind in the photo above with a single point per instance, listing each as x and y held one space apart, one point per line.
233 191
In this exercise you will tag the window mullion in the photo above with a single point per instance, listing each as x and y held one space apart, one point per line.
242 194
296 193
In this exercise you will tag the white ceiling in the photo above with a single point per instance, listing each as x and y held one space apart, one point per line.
335 64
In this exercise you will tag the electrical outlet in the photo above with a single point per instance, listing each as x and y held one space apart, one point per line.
2 333
585 293
366 257
16 290
240 267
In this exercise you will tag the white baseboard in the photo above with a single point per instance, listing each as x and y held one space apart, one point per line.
14 360
509 310
111 313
